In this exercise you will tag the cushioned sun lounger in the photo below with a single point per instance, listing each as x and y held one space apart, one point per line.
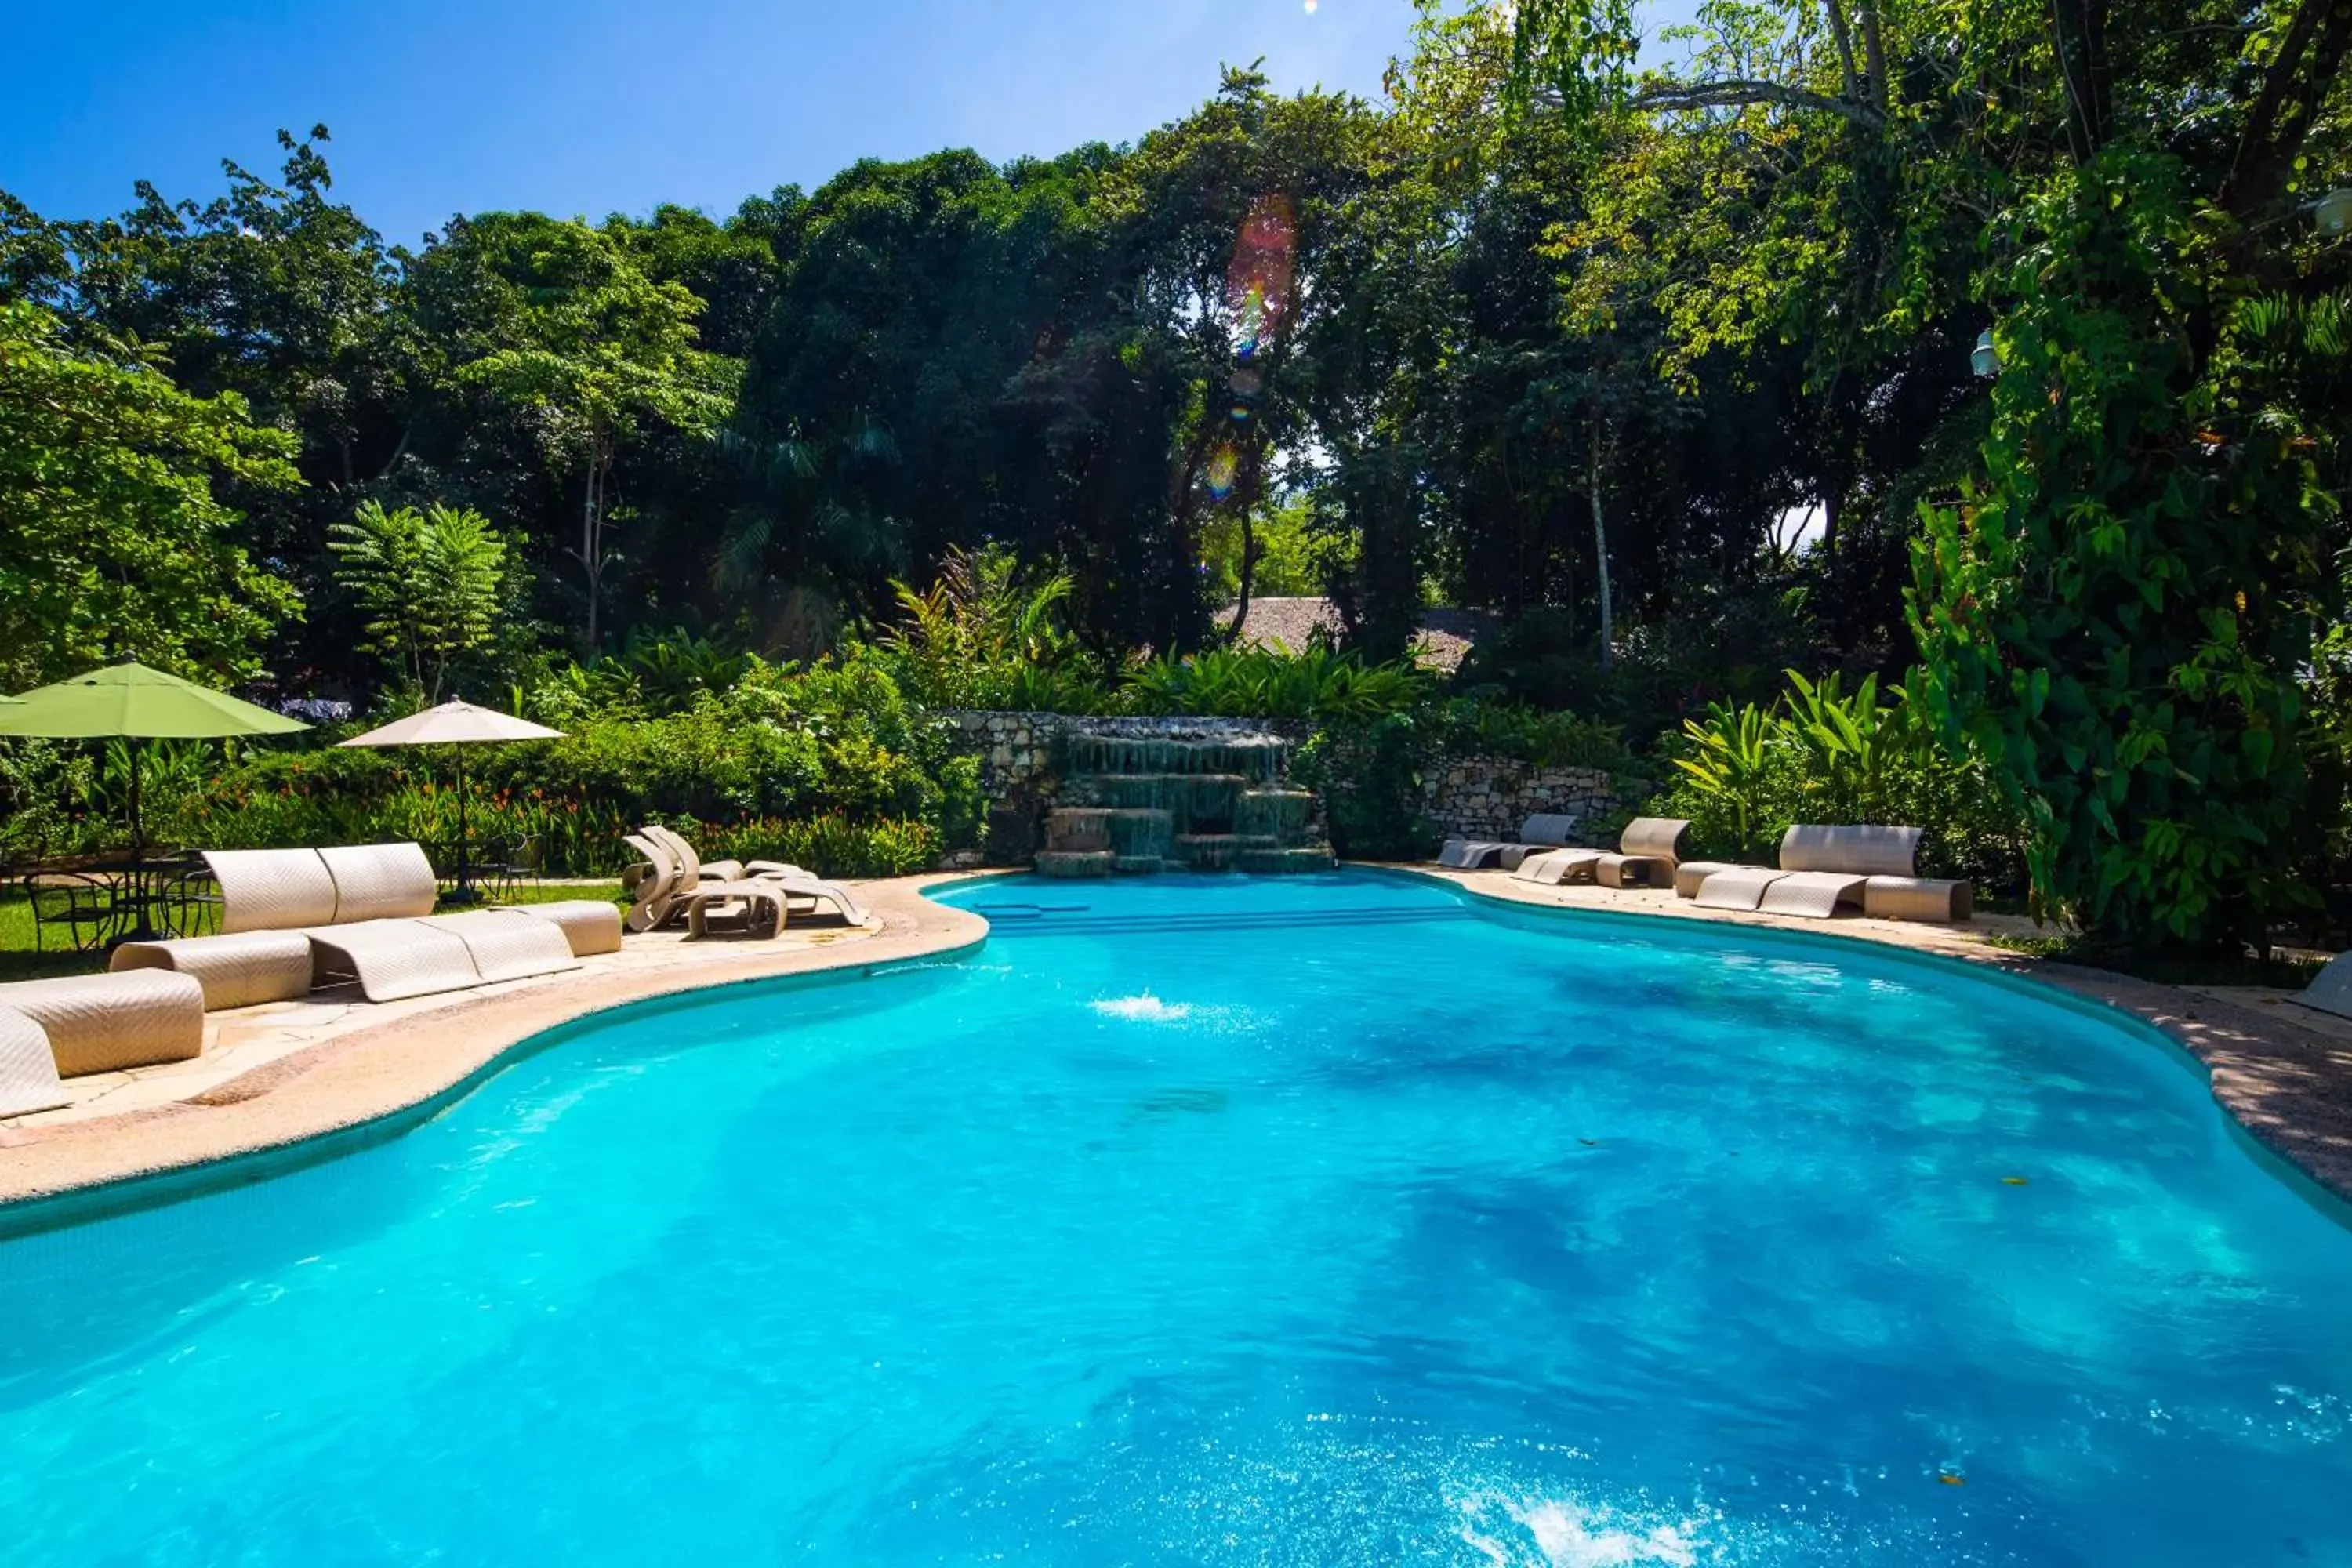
1864 850
393 959
508 944
1647 853
101 1022
1691 875
590 926
28 1073
235 971
1554 867
1736 888
1918 898
272 889
1815 895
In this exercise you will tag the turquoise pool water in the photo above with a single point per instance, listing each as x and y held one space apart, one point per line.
1320 1222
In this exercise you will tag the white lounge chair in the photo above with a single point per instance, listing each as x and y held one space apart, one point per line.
101 1022
1826 868
693 878
390 960
1541 831
1645 857
28 1071
239 970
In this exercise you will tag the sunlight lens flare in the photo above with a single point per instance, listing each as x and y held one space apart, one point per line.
1223 465
1257 284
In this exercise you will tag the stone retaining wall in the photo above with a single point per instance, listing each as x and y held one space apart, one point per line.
1489 796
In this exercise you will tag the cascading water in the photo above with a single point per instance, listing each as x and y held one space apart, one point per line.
1179 799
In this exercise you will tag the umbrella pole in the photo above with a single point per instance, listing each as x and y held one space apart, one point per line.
141 931
465 835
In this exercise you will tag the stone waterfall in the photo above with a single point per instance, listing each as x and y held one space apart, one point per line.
1140 796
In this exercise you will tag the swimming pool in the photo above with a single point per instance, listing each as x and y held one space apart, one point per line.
1211 1221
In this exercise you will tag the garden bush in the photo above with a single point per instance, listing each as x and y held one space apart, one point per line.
1273 683
1744 773
829 762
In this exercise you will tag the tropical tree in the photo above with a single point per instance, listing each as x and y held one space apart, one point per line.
555 328
432 584
2117 611
112 543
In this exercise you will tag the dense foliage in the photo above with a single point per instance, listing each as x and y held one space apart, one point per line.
1572 329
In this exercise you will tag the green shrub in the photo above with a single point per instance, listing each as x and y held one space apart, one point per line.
833 754
830 845
1271 683
1744 775
986 636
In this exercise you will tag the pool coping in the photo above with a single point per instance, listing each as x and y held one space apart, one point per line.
2286 1090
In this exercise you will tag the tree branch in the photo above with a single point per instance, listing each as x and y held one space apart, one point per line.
1873 55
1735 93
2289 101
2079 35
1844 38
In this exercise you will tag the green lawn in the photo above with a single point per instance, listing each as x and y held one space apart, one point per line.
20 961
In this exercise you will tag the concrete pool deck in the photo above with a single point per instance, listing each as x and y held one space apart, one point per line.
275 1076
278 1076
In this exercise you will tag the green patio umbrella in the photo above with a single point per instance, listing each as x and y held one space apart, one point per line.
132 702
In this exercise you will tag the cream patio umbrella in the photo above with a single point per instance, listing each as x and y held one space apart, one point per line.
459 725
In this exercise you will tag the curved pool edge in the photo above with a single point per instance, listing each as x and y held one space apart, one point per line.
2285 1092
376 1082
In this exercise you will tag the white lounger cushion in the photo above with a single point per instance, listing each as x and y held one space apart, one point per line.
590 925
509 945
396 959
272 889
28 1073
1554 867
1736 888
1868 851
239 970
1814 895
1691 875
1919 898
100 1023
380 881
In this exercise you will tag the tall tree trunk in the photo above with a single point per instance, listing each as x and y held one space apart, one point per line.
1601 548
588 552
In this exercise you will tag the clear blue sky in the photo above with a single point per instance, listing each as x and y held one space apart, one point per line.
591 106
